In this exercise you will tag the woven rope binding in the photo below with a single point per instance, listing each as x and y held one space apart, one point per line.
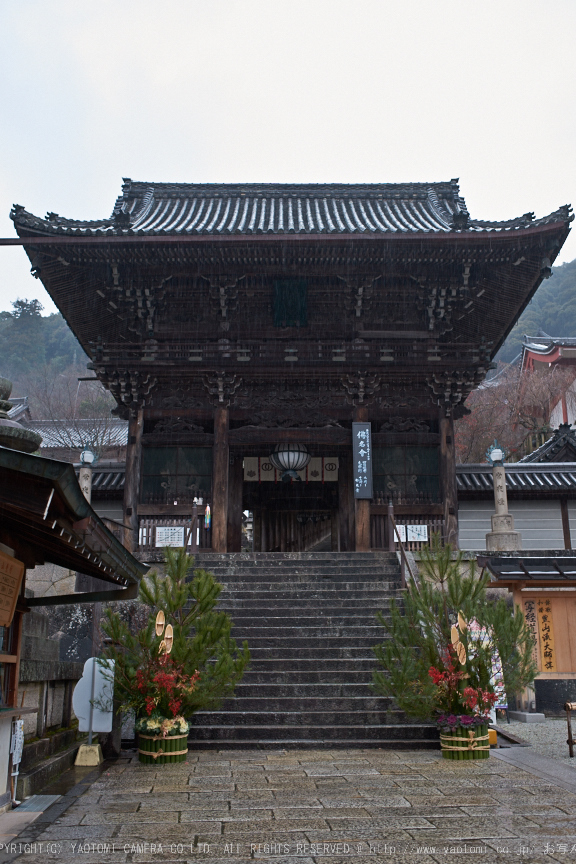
156 753
472 742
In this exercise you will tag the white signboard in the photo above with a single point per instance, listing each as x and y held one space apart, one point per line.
417 533
400 532
172 535
94 691
17 742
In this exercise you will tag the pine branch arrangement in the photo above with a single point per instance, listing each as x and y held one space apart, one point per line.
204 663
432 655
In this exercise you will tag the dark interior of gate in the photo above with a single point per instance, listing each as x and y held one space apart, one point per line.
232 320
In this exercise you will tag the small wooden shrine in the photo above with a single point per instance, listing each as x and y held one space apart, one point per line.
229 320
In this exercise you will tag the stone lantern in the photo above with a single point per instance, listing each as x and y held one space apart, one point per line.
502 537
12 434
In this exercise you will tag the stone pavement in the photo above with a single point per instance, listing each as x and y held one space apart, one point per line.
306 806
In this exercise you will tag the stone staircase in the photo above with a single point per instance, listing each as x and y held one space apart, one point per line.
309 620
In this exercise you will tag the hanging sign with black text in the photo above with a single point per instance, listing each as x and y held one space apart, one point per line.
362 459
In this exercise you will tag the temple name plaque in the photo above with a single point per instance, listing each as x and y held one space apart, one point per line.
362 459
11 575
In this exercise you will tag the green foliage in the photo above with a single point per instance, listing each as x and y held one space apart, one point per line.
552 309
202 637
420 630
29 341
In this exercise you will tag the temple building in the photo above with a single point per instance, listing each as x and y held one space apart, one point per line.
243 329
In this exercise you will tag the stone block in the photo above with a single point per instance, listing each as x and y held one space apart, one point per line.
527 716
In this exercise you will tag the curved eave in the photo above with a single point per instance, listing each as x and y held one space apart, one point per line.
83 528
27 236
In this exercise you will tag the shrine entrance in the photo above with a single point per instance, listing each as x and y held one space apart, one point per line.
294 515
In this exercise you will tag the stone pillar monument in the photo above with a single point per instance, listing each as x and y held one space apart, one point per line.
502 537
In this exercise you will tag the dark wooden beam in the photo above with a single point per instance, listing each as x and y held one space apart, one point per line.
565 523
132 480
449 489
235 483
220 480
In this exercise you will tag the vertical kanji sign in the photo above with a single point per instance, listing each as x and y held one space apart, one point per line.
362 459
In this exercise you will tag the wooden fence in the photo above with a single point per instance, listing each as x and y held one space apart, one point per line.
148 525
379 530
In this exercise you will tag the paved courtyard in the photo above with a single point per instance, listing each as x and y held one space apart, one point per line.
309 806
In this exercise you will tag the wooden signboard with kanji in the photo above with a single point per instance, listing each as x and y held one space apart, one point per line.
11 575
552 619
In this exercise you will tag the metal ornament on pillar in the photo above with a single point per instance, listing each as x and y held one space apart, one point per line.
290 458
503 537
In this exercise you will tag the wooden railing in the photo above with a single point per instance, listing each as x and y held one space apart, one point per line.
379 530
196 535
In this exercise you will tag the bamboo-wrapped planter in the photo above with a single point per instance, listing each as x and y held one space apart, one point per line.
464 744
157 750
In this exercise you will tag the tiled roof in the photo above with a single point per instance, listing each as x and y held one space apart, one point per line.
525 478
562 443
81 433
107 476
553 568
20 407
220 209
544 344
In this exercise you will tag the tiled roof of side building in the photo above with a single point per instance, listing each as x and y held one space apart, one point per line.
241 208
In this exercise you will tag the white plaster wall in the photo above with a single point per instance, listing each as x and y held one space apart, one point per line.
539 522
5 733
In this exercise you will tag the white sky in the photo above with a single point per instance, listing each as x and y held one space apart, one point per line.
283 90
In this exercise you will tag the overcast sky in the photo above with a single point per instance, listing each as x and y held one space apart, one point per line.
359 91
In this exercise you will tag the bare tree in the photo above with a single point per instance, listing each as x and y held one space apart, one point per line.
510 408
76 414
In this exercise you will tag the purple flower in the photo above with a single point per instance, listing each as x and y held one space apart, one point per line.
465 720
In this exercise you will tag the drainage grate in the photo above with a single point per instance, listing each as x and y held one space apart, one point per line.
38 803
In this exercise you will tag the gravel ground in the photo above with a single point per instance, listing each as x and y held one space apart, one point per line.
547 739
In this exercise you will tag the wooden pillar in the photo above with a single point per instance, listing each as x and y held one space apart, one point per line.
334 531
565 523
346 532
132 480
235 482
220 480
362 505
448 486
257 530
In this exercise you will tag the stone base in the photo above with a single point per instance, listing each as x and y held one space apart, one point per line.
503 541
526 716
89 755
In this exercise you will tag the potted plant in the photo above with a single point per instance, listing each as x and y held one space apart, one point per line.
444 638
181 661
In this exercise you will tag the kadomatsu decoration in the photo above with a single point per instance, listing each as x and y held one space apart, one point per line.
436 666
184 659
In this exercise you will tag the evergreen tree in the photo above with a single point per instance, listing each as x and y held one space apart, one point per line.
423 629
204 663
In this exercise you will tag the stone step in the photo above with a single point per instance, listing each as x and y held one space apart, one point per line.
307 702
369 634
377 732
343 665
307 591
310 719
264 619
310 691
299 742
312 675
239 557
333 606
309 620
